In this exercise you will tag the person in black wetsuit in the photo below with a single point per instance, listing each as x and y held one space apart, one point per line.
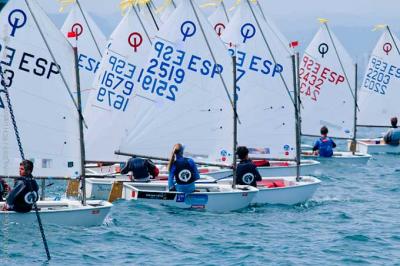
142 169
25 191
246 170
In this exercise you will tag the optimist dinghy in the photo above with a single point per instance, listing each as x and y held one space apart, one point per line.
328 94
379 93
211 197
64 212
40 76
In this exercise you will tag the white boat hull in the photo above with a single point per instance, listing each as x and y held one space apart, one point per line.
375 146
100 188
307 167
212 197
339 157
65 212
293 192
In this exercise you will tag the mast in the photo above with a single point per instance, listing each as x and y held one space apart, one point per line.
353 145
152 16
234 122
297 117
81 136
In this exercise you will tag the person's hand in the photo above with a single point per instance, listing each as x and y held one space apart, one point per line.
130 177
5 207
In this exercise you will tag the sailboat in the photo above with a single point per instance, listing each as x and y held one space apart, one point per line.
90 40
379 93
40 115
265 104
327 92
273 136
183 95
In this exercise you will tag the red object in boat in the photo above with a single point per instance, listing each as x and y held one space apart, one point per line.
272 183
260 163
204 171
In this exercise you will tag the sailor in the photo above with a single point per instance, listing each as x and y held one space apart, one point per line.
142 169
324 145
25 191
246 170
4 189
392 137
182 171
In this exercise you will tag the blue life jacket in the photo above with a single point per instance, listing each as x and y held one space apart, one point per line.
247 174
139 170
393 137
325 147
184 173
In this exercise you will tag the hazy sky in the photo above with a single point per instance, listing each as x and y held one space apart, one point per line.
351 20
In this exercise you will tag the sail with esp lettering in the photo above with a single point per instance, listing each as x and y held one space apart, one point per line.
380 89
327 80
39 70
111 106
183 93
265 84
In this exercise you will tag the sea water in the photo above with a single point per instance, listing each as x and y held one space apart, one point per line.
354 218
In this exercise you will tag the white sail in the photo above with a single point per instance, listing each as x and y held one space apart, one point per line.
265 80
90 42
182 95
110 106
327 80
44 109
380 90
219 19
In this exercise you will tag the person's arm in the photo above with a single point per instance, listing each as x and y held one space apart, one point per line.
18 188
257 174
333 144
195 170
171 181
316 146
